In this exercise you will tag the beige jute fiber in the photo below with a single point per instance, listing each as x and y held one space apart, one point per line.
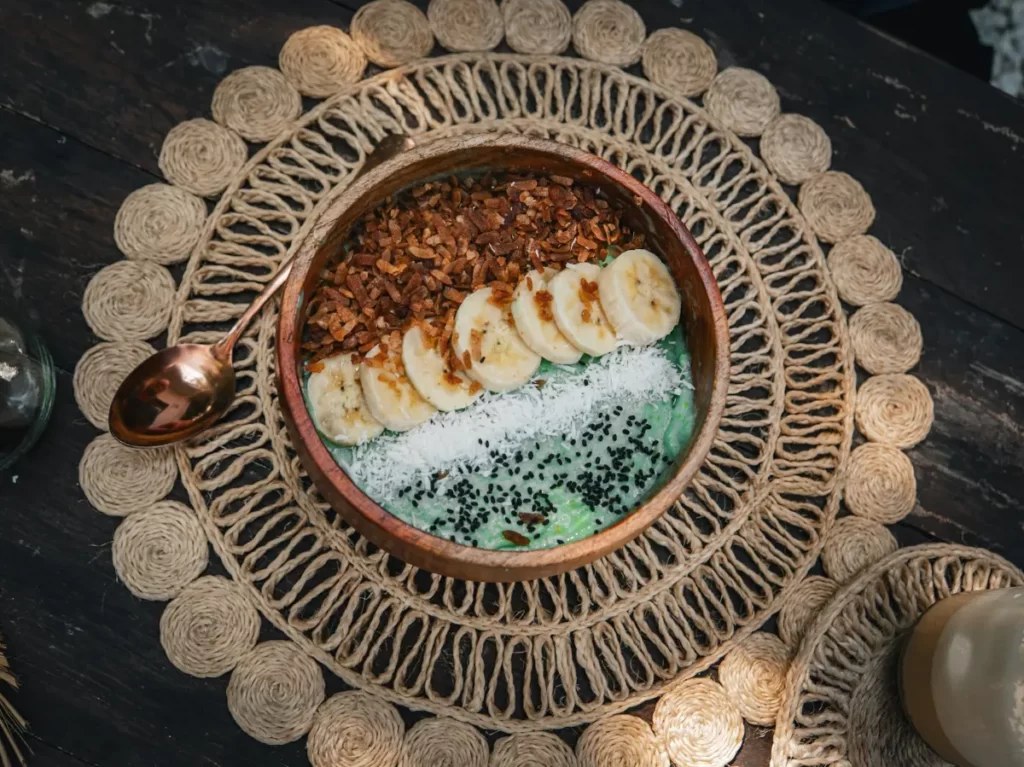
853 544
392 32
466 25
202 156
532 750
841 705
209 627
806 600
129 301
537 27
119 480
159 223
880 483
885 338
100 372
754 676
836 206
679 61
742 100
274 692
699 724
157 552
609 31
864 270
257 103
443 742
795 148
620 740
321 60
355 729
894 409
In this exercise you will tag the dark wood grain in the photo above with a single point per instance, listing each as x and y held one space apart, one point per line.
941 155
118 75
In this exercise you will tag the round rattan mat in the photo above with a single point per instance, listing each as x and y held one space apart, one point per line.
841 705
667 605
571 649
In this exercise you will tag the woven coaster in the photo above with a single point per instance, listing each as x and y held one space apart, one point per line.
274 692
355 729
129 301
538 27
466 25
836 206
809 596
880 483
120 480
392 32
533 750
620 740
679 61
841 705
99 374
321 60
699 724
159 223
742 100
894 410
257 103
201 157
852 544
795 148
754 676
885 338
865 271
440 741
608 31
209 627
159 551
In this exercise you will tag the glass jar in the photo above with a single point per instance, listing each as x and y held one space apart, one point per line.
962 678
27 386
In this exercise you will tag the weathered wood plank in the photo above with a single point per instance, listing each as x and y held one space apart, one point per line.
970 470
119 75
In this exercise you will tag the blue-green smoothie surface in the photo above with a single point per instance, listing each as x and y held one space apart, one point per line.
554 489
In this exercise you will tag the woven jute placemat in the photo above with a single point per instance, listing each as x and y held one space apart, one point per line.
841 704
586 645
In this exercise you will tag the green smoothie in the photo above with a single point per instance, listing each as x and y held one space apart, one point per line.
557 488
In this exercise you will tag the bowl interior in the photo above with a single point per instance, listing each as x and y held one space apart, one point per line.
703 321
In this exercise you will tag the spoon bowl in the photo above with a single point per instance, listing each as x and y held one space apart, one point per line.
172 396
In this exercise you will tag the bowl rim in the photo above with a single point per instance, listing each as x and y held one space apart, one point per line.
381 526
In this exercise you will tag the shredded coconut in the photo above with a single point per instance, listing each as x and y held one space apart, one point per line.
497 424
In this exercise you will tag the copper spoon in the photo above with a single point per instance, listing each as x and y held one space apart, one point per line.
185 388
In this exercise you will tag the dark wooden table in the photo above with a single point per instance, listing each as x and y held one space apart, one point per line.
87 92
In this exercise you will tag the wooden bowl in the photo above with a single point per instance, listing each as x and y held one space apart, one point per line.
703 318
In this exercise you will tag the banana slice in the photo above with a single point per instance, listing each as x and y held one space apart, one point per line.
390 396
499 358
339 409
532 312
639 297
428 371
577 309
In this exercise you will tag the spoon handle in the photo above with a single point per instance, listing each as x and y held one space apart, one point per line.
388 147
222 349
